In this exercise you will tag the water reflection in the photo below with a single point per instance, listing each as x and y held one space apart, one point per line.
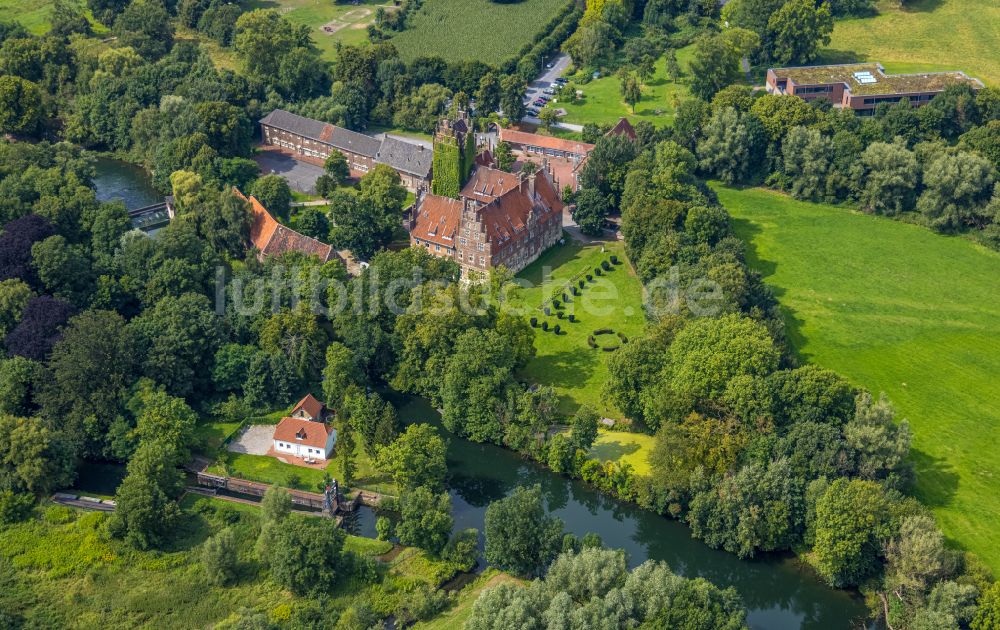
779 591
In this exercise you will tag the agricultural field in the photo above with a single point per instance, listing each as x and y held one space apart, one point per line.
602 102
613 300
456 30
926 35
897 309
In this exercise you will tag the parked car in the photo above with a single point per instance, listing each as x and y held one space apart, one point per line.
548 65
531 111
562 80
543 98
550 91
556 85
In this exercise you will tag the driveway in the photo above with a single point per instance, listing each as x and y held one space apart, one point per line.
256 439
301 176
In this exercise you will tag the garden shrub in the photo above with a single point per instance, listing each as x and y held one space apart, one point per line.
623 337
590 278
548 311
534 322
614 259
597 271
559 314
605 265
582 283
555 304
545 325
572 317
603 331
556 329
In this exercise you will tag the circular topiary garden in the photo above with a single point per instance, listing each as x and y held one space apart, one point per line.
592 340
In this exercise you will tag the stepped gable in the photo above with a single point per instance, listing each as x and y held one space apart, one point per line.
507 216
487 184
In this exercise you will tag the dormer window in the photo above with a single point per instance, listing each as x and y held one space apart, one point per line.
300 434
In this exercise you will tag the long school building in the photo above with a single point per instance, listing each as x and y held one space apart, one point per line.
314 141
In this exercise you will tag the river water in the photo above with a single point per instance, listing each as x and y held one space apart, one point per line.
779 591
117 180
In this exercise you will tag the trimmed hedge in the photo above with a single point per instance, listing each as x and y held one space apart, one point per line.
572 317
534 322
603 331
545 325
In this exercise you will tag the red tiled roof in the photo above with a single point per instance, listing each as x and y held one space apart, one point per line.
487 184
623 128
485 158
506 217
273 239
311 406
545 142
302 431
437 220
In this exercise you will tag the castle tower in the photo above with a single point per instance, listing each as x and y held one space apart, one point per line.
454 154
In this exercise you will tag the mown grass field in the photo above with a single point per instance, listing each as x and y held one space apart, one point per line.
613 300
897 308
624 447
602 102
489 31
927 35
36 16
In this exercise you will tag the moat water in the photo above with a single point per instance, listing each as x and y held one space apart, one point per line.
779 590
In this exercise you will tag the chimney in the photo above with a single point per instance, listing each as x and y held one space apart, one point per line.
531 185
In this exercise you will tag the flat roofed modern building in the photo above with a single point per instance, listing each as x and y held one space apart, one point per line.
314 140
863 86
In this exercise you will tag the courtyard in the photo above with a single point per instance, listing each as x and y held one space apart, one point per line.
301 175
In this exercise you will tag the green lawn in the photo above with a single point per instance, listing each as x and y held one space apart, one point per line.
266 469
897 308
613 300
489 31
623 447
36 16
602 101
928 35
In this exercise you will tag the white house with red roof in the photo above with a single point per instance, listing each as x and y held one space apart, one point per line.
305 433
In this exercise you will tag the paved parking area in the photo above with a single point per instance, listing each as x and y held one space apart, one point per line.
256 439
301 175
